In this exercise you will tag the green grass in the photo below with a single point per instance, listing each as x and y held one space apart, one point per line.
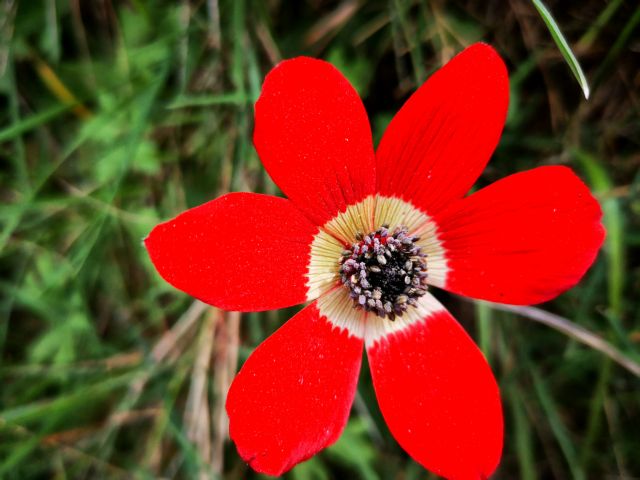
121 114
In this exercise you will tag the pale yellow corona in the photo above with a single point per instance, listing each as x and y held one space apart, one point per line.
323 277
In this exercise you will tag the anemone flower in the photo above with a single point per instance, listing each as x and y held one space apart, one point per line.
361 236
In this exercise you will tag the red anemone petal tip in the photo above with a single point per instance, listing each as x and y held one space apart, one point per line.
224 252
293 395
439 397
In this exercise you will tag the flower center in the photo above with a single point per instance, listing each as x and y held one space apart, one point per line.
385 272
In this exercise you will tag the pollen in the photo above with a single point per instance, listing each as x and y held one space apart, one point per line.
385 272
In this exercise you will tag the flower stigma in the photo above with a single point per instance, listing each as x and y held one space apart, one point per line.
385 272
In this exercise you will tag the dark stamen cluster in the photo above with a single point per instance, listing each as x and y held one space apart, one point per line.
385 272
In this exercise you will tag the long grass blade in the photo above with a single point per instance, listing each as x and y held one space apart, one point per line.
563 46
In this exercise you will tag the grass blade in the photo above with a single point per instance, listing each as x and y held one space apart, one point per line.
564 47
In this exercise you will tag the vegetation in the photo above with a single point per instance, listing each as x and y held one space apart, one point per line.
119 114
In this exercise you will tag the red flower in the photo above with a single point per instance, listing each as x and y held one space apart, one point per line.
361 235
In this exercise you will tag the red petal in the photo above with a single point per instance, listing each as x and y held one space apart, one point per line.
293 395
438 396
313 137
440 141
242 251
522 240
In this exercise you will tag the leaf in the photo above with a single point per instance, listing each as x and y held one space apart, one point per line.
563 46
355 451
312 469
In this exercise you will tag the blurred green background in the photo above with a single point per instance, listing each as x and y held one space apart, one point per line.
116 115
